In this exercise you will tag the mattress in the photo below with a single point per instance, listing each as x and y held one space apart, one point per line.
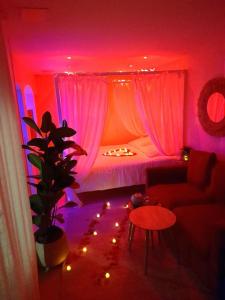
118 171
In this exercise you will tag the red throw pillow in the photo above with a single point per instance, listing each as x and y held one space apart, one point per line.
217 185
199 167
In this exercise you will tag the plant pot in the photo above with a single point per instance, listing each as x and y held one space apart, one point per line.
53 253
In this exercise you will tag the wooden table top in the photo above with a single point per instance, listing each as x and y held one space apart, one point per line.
152 217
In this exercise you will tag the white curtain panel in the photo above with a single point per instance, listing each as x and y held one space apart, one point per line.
123 97
18 270
160 102
84 103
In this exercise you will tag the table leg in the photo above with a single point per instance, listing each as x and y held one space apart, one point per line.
159 236
146 250
131 235
129 232
152 238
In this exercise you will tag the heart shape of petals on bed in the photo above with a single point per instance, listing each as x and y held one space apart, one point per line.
119 152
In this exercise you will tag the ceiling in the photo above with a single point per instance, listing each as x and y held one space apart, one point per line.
109 35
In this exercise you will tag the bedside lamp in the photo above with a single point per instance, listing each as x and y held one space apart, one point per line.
185 153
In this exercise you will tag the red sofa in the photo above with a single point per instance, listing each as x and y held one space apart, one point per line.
182 184
196 194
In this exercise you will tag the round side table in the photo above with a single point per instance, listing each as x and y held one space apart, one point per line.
150 218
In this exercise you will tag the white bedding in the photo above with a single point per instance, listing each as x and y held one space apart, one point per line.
113 172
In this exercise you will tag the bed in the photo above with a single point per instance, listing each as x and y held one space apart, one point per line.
118 171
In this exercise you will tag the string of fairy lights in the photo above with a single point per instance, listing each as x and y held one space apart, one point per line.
91 231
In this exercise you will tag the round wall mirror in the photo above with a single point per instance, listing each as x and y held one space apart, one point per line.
211 107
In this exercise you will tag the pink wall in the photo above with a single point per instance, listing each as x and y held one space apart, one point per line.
45 96
192 28
42 86
203 66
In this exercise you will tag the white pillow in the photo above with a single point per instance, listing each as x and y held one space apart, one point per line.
149 150
142 141
144 145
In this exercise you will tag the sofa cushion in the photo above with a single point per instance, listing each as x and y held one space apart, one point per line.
196 225
217 186
179 194
199 167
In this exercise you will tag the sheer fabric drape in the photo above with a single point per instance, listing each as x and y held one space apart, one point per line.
123 96
18 270
84 101
160 98
150 104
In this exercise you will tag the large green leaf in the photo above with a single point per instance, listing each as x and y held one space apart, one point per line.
51 155
35 176
36 204
71 164
69 204
35 160
52 197
47 173
59 218
75 185
64 132
72 172
78 152
67 144
46 122
64 123
36 220
63 182
30 148
42 188
57 141
59 195
38 142
52 129
30 122
33 184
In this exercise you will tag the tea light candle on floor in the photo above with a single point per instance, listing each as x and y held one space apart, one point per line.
117 224
68 268
84 249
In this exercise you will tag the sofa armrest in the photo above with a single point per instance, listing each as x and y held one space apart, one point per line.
217 253
166 175
220 225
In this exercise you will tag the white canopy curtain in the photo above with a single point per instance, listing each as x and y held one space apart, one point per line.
123 91
18 267
160 100
83 102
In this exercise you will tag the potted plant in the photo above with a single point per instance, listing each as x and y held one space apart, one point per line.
55 173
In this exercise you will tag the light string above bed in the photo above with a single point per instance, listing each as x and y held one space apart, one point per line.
119 73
